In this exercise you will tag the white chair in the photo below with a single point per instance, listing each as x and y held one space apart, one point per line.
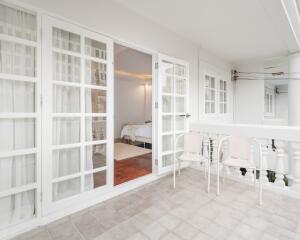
239 155
194 149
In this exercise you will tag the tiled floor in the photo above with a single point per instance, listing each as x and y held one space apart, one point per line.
156 211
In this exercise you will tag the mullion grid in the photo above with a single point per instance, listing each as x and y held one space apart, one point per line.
91 115
222 94
15 78
211 89
83 115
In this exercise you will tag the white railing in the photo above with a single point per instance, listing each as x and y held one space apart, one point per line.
280 147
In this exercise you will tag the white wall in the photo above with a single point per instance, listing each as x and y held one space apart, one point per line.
131 106
112 19
282 103
249 95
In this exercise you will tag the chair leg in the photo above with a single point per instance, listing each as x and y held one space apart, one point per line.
174 173
208 177
223 171
218 178
254 179
260 188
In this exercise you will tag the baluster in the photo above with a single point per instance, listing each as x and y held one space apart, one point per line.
249 176
295 158
280 156
265 153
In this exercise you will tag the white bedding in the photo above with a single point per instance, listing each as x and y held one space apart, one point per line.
134 131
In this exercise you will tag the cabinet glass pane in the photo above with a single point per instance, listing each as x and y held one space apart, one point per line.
66 189
66 130
167 160
167 123
95 129
95 101
95 156
94 180
167 104
17 59
95 49
207 107
221 107
207 95
17 134
180 123
17 171
17 96
65 162
180 104
95 73
17 208
167 84
167 67
66 68
180 86
221 96
212 95
221 85
180 70
167 143
18 23
66 99
66 40
212 107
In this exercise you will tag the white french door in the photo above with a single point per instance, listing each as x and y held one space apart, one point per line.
20 141
173 80
77 114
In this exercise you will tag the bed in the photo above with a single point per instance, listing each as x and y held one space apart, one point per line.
137 132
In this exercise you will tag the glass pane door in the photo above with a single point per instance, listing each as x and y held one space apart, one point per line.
173 87
19 118
78 113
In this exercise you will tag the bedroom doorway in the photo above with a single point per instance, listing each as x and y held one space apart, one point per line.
132 114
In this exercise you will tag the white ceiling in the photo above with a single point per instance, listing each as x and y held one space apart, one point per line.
131 61
231 29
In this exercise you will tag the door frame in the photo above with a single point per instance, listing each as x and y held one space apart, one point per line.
161 58
154 56
50 206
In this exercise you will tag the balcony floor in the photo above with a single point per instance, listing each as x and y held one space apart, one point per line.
156 211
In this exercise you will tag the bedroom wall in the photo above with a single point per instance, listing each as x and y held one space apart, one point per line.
133 107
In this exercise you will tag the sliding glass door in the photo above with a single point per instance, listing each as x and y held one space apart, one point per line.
19 116
172 109
77 114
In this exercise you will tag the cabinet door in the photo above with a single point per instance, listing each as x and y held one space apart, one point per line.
172 109
19 116
78 115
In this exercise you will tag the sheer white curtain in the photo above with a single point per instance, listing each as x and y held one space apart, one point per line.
16 134
66 131
89 179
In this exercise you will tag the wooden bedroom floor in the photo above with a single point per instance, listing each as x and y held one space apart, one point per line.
132 168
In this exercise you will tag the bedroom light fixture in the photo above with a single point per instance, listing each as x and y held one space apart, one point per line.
135 75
